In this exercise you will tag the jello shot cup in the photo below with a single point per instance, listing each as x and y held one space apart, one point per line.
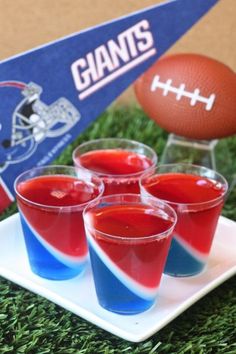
129 237
197 195
51 200
118 162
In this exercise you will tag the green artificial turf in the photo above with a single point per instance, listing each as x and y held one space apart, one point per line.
32 324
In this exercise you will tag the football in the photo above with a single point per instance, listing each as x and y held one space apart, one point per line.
190 95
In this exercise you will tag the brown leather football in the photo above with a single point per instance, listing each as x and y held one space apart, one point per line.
190 95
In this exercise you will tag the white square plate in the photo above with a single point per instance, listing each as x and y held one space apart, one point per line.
78 295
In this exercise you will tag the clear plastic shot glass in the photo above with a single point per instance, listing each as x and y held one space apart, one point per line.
197 195
129 237
119 162
51 200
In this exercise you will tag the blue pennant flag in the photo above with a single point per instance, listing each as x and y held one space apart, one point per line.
50 94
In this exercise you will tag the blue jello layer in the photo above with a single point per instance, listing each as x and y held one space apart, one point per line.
112 294
180 262
42 262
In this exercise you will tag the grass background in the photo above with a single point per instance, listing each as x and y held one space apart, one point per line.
32 324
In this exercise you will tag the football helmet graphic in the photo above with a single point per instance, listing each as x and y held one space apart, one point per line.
30 120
